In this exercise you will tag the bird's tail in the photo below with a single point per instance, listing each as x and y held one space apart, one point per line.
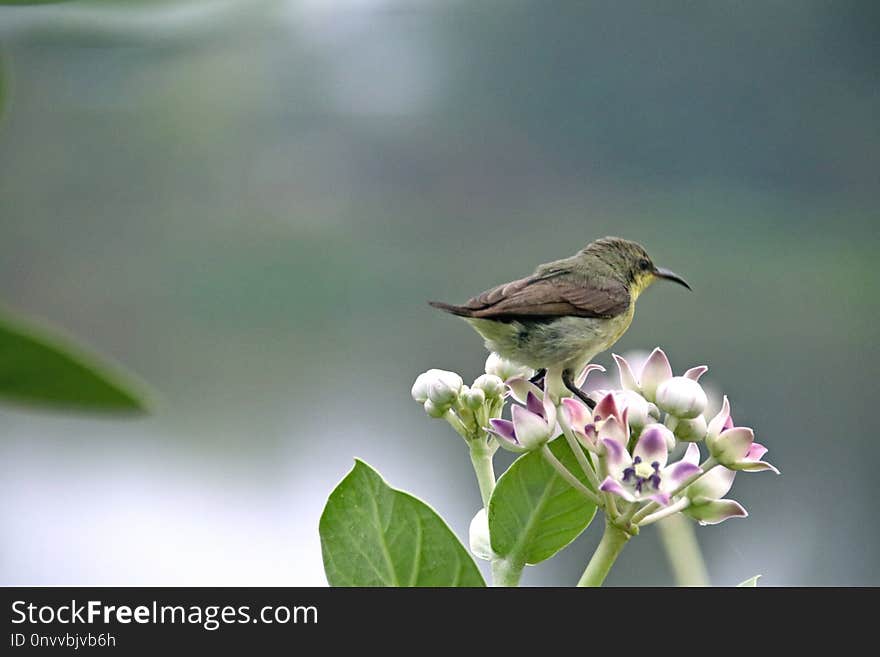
460 311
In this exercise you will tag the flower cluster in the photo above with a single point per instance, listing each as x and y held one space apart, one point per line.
632 432
468 409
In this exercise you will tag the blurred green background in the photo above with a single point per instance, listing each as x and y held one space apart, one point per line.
248 204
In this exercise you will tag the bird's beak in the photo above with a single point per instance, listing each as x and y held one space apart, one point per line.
661 272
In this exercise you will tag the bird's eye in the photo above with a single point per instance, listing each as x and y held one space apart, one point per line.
644 264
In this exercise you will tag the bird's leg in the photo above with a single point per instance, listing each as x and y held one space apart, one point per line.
536 379
580 394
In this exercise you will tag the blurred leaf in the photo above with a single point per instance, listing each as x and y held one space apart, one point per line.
533 512
48 371
374 535
750 582
32 2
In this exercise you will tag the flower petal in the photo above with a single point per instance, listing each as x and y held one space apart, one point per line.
534 404
609 485
711 512
627 379
531 430
659 498
715 484
613 429
651 445
503 429
732 445
616 457
581 378
692 454
675 473
756 451
577 413
656 370
754 466
696 372
716 425
520 388
606 408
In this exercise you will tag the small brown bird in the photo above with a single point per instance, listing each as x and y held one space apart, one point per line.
556 320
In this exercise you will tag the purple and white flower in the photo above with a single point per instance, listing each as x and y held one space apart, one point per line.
531 427
706 505
654 374
644 475
607 421
735 447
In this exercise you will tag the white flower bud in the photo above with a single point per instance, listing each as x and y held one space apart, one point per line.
420 387
443 387
681 397
490 384
434 410
506 369
473 398
479 541
691 431
638 409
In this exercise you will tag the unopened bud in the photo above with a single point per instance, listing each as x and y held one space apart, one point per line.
681 397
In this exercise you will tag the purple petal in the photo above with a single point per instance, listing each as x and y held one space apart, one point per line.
616 456
627 379
659 498
581 378
504 429
531 429
609 485
656 371
674 474
577 413
711 512
756 451
607 407
652 444
696 372
612 429
534 404
521 387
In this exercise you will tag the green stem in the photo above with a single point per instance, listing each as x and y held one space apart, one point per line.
683 551
568 476
605 555
506 573
481 458
575 447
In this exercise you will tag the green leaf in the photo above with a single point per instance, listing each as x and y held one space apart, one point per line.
374 535
37 369
750 582
534 512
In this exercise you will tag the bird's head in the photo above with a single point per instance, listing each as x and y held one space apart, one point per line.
628 262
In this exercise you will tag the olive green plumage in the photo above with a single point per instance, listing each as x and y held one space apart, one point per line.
567 311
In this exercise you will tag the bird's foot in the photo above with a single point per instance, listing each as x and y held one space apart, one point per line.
538 376
577 392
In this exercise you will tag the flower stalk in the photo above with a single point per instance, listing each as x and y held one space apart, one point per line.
613 541
484 469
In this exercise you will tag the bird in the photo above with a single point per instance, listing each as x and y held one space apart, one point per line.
557 319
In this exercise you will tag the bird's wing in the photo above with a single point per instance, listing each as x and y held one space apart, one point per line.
550 296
